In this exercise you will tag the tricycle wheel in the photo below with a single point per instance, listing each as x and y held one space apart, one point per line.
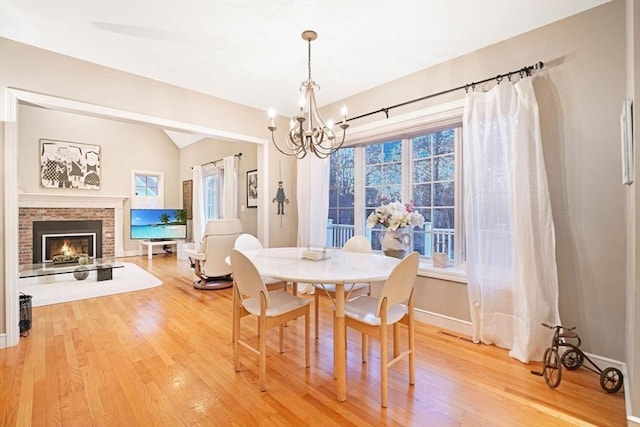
572 359
611 380
551 368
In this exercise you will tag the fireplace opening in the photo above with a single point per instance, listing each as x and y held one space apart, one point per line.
68 247
66 241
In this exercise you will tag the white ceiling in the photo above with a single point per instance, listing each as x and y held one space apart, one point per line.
251 52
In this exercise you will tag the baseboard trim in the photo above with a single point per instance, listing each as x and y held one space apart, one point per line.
3 340
442 321
464 327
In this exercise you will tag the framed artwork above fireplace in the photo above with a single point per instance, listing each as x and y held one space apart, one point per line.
65 164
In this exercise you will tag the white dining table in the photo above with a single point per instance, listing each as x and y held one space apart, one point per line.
341 267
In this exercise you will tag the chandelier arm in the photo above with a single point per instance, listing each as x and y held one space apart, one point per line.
294 149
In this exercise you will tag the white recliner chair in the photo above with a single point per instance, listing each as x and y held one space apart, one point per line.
209 260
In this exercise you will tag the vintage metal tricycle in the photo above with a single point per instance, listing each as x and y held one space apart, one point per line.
572 358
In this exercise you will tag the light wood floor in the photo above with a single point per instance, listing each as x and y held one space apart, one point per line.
163 356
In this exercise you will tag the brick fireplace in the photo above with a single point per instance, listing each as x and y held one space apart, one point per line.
67 208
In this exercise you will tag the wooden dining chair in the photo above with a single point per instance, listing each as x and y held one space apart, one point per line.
357 243
250 297
371 316
248 242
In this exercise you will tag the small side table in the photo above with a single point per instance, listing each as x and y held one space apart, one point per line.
150 244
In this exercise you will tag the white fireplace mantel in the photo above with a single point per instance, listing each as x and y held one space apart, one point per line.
86 201
48 200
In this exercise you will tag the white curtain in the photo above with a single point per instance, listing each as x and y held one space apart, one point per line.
198 221
510 241
230 187
312 194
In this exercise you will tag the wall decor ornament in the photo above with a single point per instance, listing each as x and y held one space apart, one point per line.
252 189
280 198
65 164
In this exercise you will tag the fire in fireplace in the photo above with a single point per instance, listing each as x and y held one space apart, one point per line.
69 247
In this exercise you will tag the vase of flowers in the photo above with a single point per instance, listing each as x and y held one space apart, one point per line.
395 218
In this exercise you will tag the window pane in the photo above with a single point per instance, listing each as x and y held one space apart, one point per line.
345 216
392 151
443 194
372 197
373 175
392 193
373 153
393 174
444 168
443 218
444 142
433 185
341 186
422 195
422 170
421 146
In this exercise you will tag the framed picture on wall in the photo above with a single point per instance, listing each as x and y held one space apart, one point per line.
626 141
187 197
252 189
65 164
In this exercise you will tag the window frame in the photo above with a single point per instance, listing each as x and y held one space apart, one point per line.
150 202
404 127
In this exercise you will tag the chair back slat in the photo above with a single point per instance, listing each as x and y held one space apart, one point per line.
247 277
397 289
358 243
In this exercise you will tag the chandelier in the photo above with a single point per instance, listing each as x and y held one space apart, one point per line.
317 136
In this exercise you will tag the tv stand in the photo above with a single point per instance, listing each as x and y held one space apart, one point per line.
151 243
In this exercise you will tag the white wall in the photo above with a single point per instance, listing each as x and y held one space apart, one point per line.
124 147
208 150
579 92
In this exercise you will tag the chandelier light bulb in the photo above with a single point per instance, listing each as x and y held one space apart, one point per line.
272 115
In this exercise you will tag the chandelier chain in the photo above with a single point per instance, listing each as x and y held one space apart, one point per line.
309 60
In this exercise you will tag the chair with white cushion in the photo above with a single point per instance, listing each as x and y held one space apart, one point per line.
250 297
357 243
248 242
209 259
372 315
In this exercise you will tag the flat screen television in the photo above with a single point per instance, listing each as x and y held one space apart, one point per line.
158 224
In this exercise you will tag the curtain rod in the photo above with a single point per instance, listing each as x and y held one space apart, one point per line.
522 71
239 155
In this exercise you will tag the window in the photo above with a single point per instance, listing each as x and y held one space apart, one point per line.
147 189
212 191
422 167
341 223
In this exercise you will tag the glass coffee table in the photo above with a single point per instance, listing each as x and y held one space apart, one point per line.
102 266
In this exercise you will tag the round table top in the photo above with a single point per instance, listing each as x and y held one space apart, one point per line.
340 267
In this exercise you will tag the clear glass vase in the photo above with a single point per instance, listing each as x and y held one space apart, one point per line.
395 243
